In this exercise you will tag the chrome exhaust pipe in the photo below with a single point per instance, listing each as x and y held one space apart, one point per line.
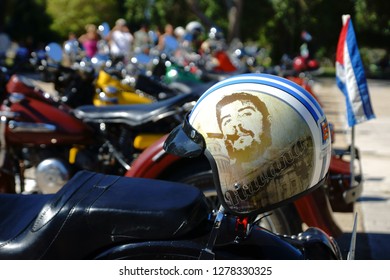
16 126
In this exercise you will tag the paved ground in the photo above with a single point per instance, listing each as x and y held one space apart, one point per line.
373 140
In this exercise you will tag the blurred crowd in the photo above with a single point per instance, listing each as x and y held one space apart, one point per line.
17 52
121 42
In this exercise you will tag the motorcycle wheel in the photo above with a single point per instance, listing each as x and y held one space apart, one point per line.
154 250
283 220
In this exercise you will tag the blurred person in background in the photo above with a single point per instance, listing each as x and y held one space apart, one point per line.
193 38
71 49
167 42
142 40
89 40
5 44
120 41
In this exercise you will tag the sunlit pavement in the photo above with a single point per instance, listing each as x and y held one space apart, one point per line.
372 138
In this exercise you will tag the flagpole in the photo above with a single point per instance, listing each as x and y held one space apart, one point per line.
352 145
345 18
351 80
352 166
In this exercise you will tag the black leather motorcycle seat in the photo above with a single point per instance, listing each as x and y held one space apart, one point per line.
93 211
134 114
19 210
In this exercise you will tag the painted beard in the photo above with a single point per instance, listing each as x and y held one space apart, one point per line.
244 147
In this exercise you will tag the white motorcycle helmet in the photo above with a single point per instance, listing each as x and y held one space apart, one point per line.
267 139
194 26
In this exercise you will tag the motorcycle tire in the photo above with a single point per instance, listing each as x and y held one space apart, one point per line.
153 250
283 220
193 250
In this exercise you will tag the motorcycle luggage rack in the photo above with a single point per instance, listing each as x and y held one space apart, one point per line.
349 182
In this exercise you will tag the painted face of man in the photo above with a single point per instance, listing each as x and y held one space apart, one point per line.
241 124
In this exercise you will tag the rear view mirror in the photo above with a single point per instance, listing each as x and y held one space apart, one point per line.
54 52
104 29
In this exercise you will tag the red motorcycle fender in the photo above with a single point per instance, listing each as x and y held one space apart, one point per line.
151 161
315 210
305 84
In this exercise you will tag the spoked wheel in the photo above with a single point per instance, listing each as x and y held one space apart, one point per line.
283 220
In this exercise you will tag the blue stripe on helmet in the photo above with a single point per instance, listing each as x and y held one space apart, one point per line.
248 78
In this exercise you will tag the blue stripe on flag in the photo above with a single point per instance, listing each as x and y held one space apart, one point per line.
355 86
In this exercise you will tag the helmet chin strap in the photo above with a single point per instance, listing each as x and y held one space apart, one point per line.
207 253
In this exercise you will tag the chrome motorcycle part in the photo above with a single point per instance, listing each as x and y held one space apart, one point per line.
3 122
51 174
16 126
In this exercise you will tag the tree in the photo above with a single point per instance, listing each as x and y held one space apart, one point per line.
156 12
224 14
373 21
30 27
273 24
234 9
74 15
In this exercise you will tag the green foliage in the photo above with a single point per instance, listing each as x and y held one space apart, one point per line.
74 15
176 12
27 27
272 24
216 11
155 12
373 21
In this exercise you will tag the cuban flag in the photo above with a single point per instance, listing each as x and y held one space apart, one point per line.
350 76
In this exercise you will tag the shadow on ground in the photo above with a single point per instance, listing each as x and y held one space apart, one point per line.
362 250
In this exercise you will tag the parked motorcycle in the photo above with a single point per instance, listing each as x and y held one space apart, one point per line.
49 135
56 143
85 81
122 83
12 81
110 90
97 216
